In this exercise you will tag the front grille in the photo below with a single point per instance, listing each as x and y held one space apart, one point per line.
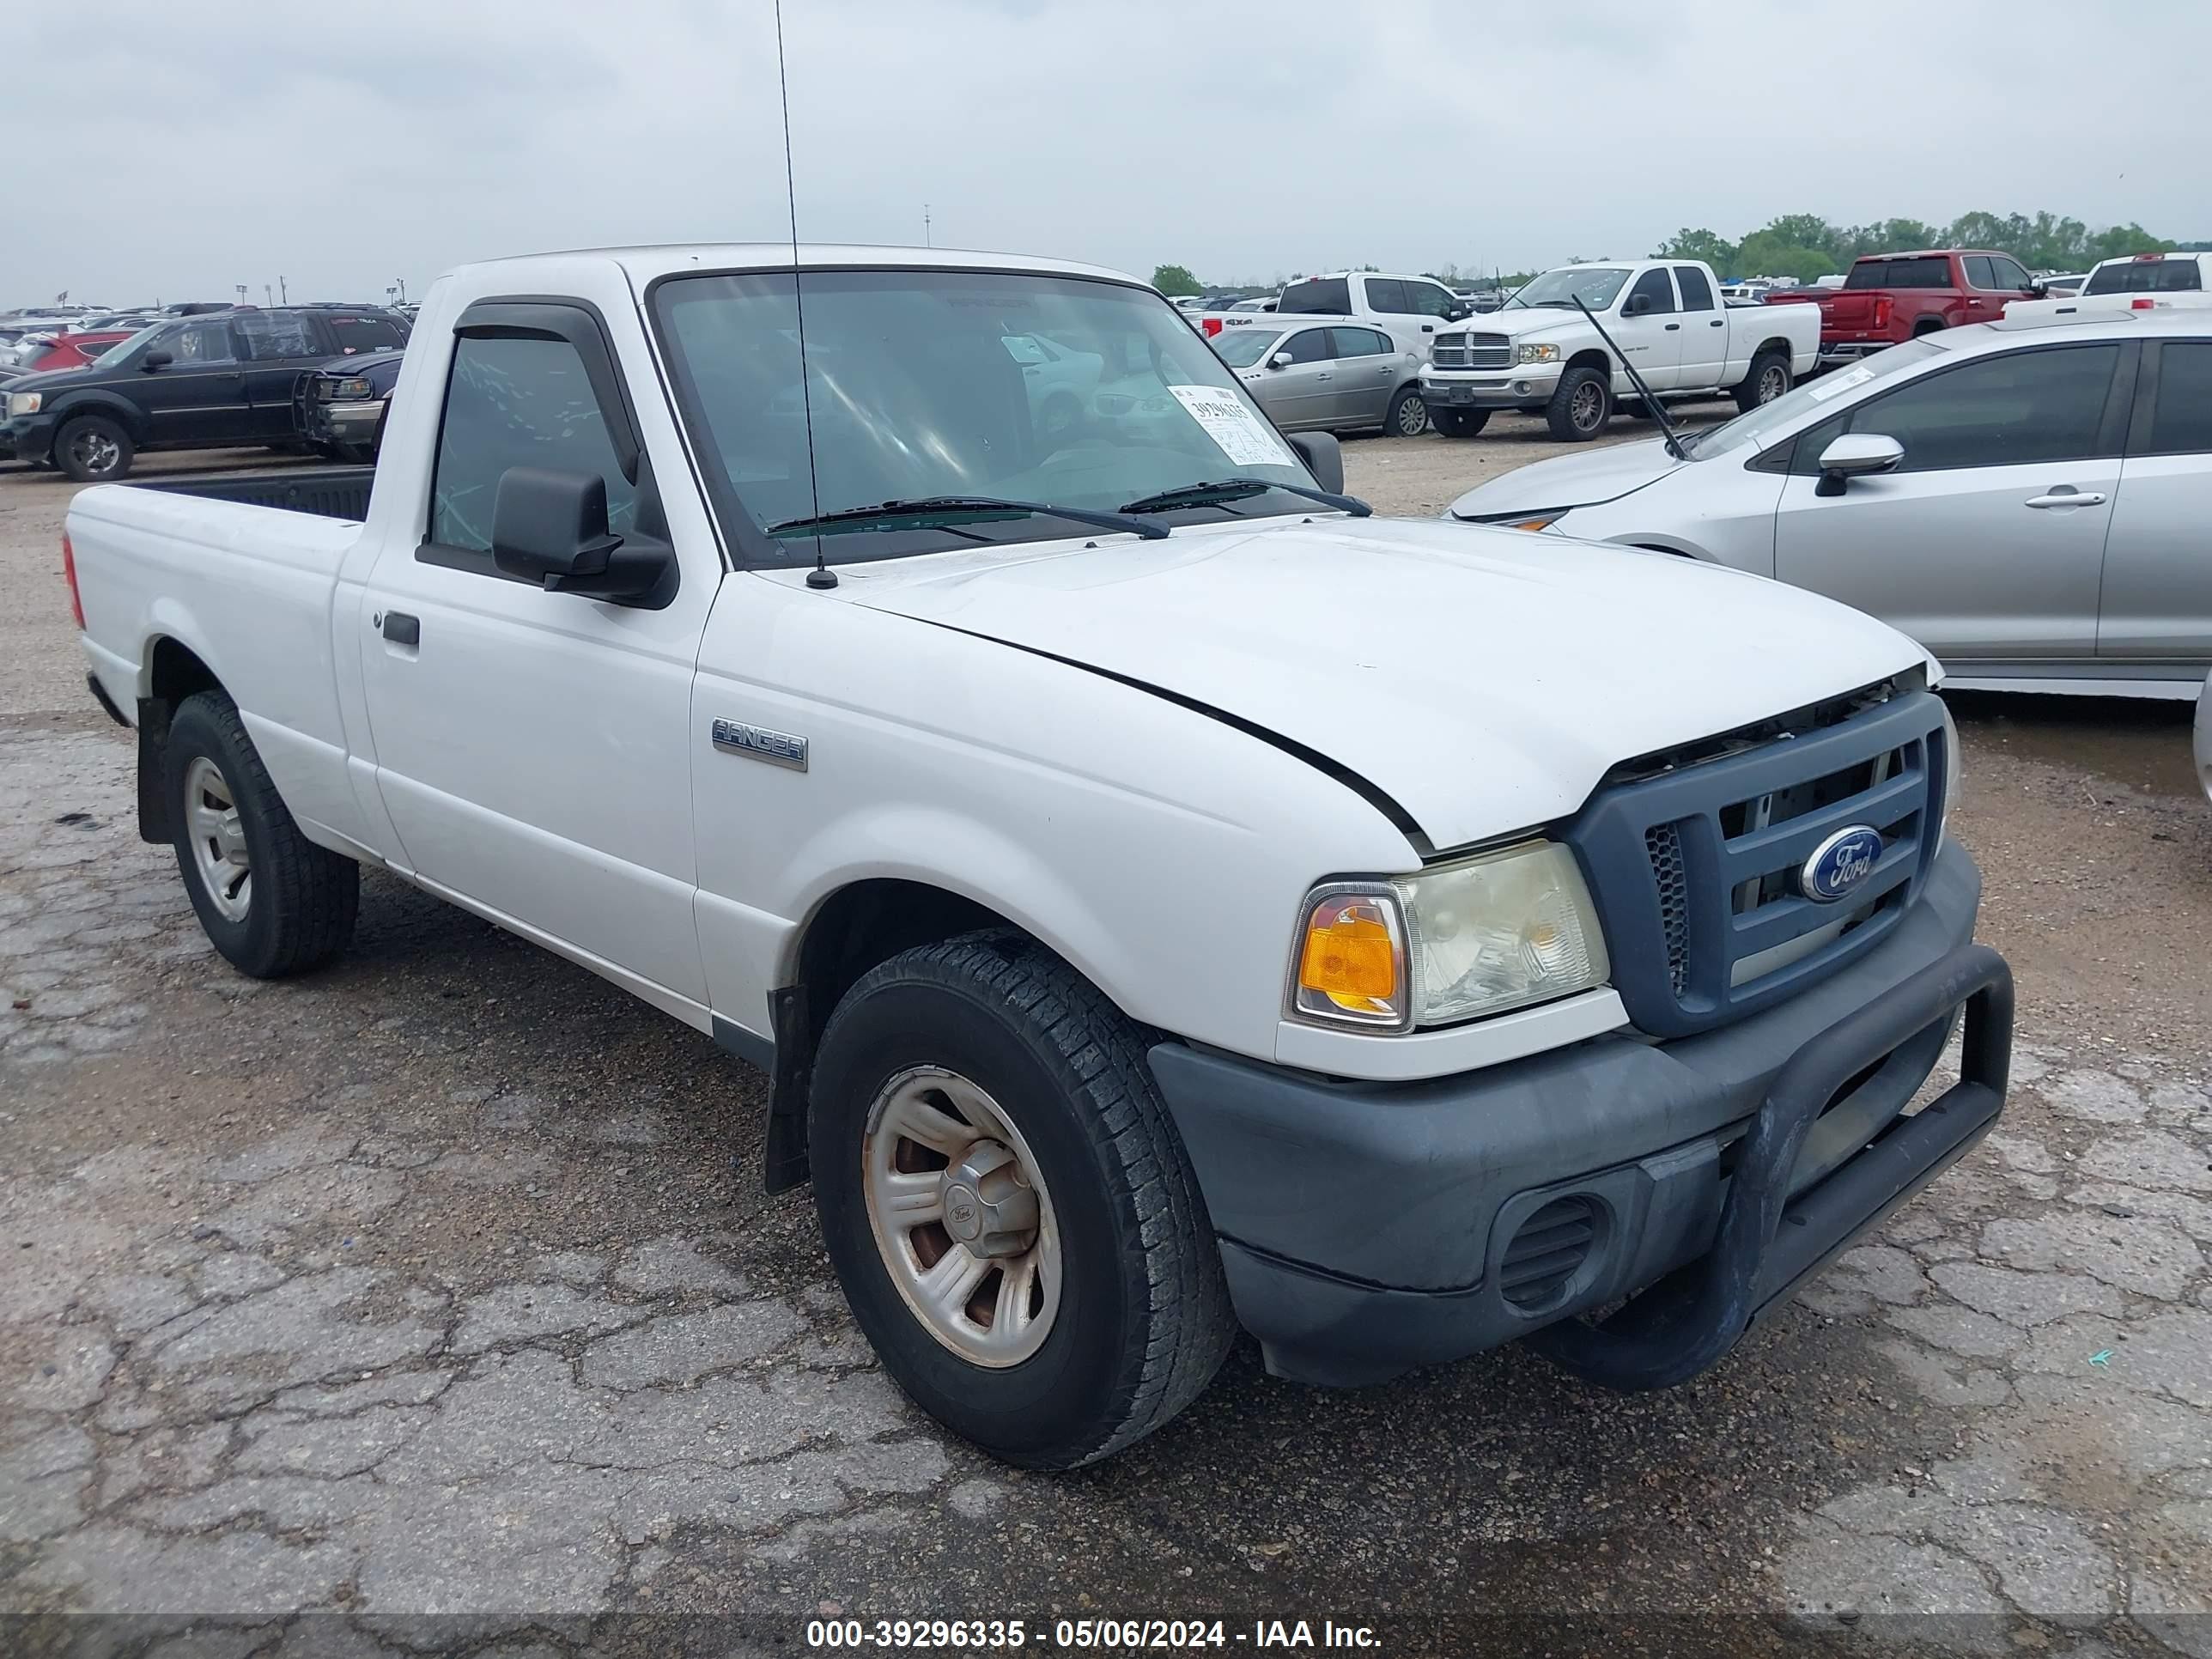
1693 859
1473 351
1547 1251
1664 843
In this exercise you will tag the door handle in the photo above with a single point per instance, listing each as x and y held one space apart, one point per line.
1428 328
2067 495
1717 322
1324 377
1671 327
401 629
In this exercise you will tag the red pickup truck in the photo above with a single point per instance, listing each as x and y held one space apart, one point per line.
1889 297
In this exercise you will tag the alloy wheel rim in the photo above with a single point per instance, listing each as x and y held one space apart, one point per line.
218 840
961 1217
96 451
1412 418
1585 408
1770 386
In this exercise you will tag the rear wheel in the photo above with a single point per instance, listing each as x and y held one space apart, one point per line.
271 900
1580 406
93 449
1008 1206
1768 379
1459 423
1409 414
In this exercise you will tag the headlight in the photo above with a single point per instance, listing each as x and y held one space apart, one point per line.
1495 931
1951 776
1536 354
24 403
353 386
1535 521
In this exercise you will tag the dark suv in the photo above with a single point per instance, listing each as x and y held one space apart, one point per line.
206 382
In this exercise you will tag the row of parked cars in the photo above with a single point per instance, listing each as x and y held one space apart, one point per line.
300 378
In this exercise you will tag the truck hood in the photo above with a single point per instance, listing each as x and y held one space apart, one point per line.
1580 480
1482 679
1514 321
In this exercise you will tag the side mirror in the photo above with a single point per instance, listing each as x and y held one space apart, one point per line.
2039 288
1322 456
1856 455
1637 306
1455 313
551 528
154 359
1280 359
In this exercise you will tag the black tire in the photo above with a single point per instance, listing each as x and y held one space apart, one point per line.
1143 1321
93 449
1408 415
1767 379
302 899
1581 405
1459 423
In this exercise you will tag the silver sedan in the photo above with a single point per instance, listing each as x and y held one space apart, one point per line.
2029 499
1329 377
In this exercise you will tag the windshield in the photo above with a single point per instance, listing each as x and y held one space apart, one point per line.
1594 285
122 349
1756 426
1242 348
1062 390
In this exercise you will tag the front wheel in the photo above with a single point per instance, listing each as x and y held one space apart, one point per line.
271 901
1581 405
1409 414
1768 379
1007 1205
93 449
1459 423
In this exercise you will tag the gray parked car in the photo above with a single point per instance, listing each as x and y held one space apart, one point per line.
1334 377
2027 498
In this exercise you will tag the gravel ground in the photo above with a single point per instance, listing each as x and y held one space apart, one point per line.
435 1294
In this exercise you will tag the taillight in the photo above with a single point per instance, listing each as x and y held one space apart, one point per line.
1211 325
69 571
2142 304
1881 307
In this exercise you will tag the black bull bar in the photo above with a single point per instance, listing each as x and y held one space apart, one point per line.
1767 1241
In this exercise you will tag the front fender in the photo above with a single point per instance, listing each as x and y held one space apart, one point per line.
94 401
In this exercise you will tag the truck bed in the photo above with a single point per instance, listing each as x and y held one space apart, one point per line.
324 492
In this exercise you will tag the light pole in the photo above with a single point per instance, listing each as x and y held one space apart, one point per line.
241 293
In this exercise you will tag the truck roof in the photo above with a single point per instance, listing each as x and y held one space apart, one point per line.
650 260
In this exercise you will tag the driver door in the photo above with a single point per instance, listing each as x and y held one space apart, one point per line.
1304 393
1647 328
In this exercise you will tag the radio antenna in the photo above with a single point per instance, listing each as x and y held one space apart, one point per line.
821 575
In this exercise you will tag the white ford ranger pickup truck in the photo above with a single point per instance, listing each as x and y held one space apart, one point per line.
1165 896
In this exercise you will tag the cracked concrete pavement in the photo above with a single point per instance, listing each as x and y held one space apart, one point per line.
433 1299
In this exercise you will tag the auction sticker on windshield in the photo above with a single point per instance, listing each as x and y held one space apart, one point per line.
1836 385
1245 439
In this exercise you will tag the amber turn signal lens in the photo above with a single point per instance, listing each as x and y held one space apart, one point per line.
1352 957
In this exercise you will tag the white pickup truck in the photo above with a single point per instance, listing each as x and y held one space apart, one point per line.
1540 355
1163 894
2135 281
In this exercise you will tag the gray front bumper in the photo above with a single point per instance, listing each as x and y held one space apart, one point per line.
1366 1228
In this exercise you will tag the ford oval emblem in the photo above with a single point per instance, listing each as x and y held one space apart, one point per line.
1840 863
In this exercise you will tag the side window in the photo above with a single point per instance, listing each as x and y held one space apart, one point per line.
2024 407
1981 271
515 401
1697 292
1387 295
1429 299
365 333
2181 414
1358 342
1870 273
277 336
1308 346
1919 273
2010 273
199 342
1653 287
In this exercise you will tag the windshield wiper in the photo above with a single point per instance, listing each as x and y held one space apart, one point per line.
927 506
1228 489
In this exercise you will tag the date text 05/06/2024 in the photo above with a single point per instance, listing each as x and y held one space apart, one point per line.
1108 1635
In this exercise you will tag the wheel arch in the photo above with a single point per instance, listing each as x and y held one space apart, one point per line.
1595 357
121 410
172 671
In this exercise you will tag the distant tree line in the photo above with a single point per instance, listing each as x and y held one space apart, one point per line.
1805 246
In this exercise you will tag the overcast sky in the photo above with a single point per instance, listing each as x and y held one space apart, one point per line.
186 149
